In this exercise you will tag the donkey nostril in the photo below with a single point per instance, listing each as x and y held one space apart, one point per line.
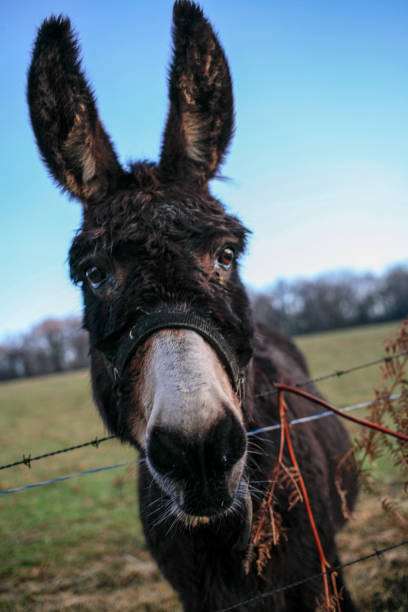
164 451
228 441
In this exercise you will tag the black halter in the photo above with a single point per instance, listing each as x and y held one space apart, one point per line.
118 353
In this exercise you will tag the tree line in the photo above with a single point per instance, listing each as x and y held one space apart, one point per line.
55 345
299 306
333 301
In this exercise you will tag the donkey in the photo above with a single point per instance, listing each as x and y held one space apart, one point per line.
179 370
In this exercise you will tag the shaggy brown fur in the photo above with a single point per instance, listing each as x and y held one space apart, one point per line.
153 236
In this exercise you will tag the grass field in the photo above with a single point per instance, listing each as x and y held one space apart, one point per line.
77 545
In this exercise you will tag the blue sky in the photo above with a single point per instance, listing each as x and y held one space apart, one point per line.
318 167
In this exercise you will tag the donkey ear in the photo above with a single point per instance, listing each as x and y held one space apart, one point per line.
70 136
201 117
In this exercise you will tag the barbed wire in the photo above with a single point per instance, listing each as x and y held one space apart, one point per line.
292 585
338 373
28 459
97 441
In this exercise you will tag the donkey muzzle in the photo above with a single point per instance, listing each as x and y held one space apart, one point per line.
202 474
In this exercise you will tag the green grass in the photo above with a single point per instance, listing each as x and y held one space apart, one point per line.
45 523
78 544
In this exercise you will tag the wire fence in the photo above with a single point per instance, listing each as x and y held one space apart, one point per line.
339 373
292 585
69 476
315 417
27 459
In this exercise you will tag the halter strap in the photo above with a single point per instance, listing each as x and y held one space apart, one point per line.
148 324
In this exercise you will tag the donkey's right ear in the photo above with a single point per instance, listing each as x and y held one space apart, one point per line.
70 136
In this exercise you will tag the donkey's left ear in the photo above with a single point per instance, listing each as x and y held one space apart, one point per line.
201 116
69 133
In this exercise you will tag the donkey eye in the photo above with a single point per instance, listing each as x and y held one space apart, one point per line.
95 276
226 257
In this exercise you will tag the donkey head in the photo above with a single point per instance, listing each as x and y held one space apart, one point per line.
156 257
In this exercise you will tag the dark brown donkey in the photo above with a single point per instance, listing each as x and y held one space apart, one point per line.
177 370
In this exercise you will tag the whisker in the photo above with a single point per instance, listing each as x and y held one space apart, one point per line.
254 442
155 501
253 489
175 521
167 512
258 437
155 511
262 481
251 451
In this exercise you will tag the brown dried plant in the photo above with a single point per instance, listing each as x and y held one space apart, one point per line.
334 604
346 462
267 529
389 408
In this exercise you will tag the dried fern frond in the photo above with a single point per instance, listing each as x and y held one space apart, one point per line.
392 412
393 508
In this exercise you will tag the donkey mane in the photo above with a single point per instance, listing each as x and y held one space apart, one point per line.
179 369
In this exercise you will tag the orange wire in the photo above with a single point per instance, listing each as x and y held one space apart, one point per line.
323 561
355 419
